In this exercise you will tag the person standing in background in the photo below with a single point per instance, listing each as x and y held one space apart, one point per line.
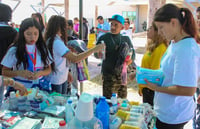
7 33
76 26
39 18
7 36
155 49
85 34
127 30
102 27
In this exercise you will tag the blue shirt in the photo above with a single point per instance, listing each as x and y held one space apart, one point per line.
180 66
104 26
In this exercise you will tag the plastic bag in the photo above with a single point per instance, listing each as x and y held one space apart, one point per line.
153 76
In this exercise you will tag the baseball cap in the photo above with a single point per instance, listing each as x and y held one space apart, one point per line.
118 18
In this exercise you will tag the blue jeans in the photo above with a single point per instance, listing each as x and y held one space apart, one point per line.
62 88
196 119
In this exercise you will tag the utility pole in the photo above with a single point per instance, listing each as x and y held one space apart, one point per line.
66 9
81 31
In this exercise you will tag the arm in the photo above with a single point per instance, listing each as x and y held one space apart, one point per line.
44 72
173 90
105 31
16 85
75 58
133 28
13 73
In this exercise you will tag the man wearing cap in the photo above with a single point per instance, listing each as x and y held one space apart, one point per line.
116 49
103 27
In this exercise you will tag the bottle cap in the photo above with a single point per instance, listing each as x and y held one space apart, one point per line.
62 123
69 101
114 94
103 98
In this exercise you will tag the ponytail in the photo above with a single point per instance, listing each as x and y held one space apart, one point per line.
187 21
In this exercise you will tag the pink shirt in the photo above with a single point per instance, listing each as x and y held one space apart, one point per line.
76 27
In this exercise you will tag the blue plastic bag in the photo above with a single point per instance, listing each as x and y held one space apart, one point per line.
153 76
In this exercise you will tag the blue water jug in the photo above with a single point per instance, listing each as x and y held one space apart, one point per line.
102 112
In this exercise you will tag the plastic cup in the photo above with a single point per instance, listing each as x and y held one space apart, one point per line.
84 109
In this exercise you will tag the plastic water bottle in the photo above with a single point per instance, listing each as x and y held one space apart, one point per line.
12 101
69 112
103 51
62 125
74 95
114 102
102 112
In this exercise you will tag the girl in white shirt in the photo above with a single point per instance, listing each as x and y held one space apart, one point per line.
56 39
28 58
173 100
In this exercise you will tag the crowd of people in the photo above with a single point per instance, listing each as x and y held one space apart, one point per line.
43 52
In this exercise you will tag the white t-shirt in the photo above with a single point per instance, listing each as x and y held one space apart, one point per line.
10 61
59 50
127 33
180 66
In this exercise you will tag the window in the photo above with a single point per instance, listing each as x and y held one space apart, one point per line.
130 14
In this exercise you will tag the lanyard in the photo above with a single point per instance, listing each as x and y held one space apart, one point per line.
33 59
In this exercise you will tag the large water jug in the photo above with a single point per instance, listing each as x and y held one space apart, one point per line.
102 112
